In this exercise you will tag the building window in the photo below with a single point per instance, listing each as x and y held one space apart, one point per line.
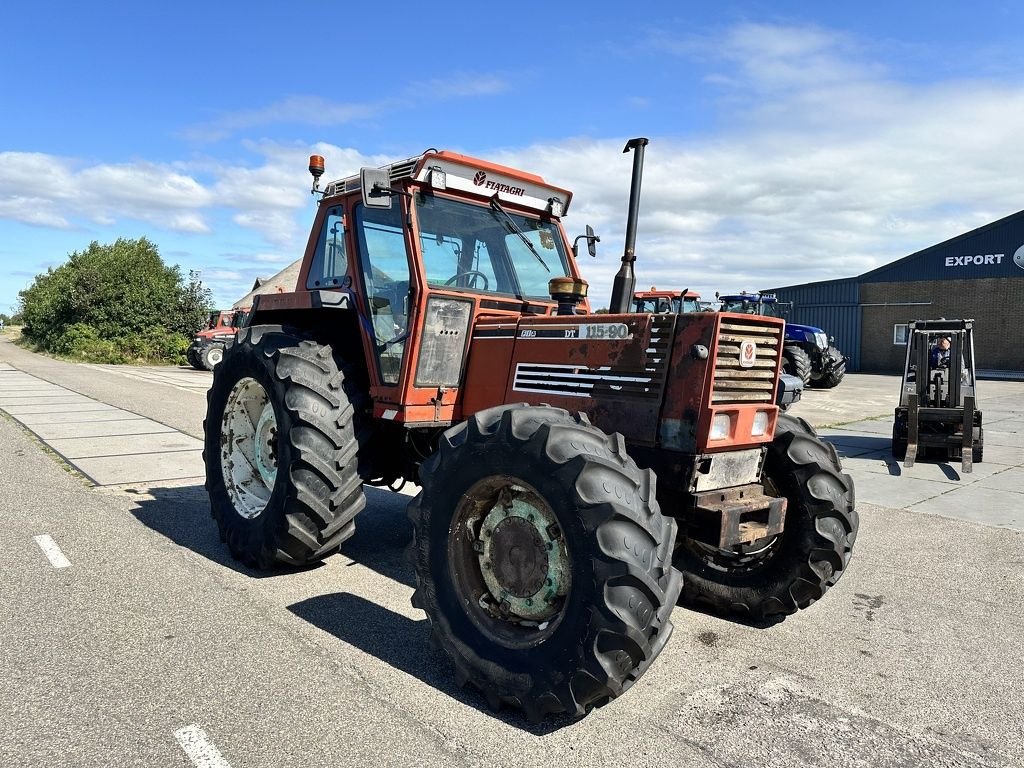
899 334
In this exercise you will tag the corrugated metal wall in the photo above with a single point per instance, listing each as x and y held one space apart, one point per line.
833 306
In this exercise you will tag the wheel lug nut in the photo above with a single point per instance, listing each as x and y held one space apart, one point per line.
478 546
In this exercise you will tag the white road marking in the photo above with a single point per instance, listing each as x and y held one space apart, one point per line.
52 552
199 748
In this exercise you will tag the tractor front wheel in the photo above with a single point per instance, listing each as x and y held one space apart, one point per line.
836 371
771 578
211 356
280 450
542 560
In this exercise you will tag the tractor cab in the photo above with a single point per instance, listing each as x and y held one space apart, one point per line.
422 250
675 302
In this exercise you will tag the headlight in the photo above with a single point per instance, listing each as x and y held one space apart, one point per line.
821 340
721 426
760 425
198 339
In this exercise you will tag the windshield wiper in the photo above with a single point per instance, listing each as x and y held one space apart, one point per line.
515 230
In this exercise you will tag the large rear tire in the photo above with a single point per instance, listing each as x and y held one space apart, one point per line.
281 450
192 355
772 578
796 362
542 560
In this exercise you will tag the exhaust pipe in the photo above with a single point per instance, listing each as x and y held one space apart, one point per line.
625 280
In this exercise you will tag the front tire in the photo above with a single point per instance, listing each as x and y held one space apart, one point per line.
773 578
280 450
211 356
835 374
542 560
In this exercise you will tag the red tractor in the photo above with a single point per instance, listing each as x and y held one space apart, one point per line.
207 348
676 302
440 333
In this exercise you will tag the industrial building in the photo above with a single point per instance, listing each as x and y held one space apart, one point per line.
979 275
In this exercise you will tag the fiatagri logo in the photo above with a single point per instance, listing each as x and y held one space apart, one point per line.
1018 257
481 180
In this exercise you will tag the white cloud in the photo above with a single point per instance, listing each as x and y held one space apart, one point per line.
53 191
830 168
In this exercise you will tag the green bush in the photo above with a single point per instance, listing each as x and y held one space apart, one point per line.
114 304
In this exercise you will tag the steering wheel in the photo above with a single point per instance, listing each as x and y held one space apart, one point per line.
472 273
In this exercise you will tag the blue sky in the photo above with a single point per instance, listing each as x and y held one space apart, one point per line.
790 141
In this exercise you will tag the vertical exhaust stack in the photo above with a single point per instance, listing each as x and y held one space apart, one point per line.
625 279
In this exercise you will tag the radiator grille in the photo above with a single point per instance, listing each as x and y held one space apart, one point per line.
754 383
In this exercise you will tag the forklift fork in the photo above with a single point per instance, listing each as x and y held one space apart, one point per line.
912 430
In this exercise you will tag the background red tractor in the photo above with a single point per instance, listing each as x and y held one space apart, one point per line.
440 333
207 347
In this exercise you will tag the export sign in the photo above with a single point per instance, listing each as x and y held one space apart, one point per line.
966 261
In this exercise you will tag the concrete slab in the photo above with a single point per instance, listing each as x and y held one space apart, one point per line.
114 414
13 400
31 387
1010 439
945 471
1002 454
143 468
871 427
83 406
123 445
133 426
856 444
893 491
1011 480
978 503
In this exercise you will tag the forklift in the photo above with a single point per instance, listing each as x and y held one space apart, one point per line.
937 414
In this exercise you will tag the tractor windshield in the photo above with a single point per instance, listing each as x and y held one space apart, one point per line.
744 305
471 247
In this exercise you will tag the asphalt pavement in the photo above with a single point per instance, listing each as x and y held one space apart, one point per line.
132 638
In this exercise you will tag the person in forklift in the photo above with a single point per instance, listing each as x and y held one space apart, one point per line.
940 353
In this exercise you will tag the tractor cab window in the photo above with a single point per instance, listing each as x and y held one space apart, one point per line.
385 270
476 248
330 262
690 305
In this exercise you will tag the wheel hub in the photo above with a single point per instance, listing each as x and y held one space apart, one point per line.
248 448
522 557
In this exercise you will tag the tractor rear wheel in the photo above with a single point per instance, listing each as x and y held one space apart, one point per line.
192 355
542 560
211 356
280 450
835 374
796 362
771 578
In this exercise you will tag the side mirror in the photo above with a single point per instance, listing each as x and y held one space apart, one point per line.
592 241
375 184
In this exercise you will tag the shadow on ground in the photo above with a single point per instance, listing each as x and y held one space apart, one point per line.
403 644
182 514
855 445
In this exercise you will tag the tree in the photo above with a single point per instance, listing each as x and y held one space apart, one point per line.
114 301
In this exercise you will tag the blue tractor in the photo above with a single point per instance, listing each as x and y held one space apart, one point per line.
807 353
